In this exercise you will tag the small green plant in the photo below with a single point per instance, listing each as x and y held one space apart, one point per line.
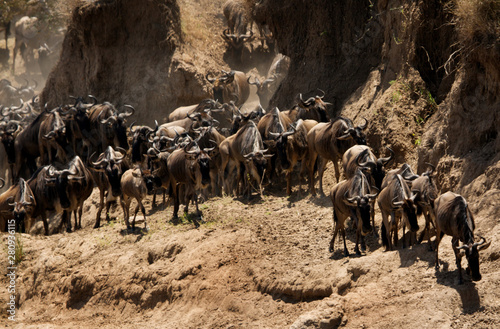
19 252
396 96
419 120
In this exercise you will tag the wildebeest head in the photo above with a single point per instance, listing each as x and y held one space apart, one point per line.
61 180
282 146
377 167
110 162
259 163
360 199
220 84
199 163
265 90
24 203
355 133
471 252
313 108
115 130
407 204
237 40
140 140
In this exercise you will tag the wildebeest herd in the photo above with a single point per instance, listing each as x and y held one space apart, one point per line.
55 158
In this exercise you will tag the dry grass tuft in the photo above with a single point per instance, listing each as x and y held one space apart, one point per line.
478 21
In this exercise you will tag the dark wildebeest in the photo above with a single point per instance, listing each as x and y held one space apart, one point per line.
189 167
425 189
329 141
362 155
141 141
50 186
78 190
453 217
27 148
405 172
52 138
107 172
397 201
230 86
352 198
243 150
8 134
135 183
313 109
238 22
272 123
291 147
107 127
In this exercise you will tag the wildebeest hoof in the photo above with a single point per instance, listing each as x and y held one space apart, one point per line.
175 220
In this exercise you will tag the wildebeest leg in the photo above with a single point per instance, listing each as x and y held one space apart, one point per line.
458 259
125 206
312 162
45 224
153 203
372 214
143 210
321 171
175 191
80 212
386 231
439 236
394 228
198 211
101 206
404 234
289 182
66 217
336 228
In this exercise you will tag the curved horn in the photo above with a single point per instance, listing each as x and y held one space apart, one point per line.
211 80
127 113
385 161
110 119
396 204
429 172
132 125
360 156
321 97
2 183
94 99
255 83
363 127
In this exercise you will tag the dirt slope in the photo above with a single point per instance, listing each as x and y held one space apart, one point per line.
265 263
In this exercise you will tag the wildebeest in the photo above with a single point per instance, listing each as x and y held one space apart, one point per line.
206 105
29 33
405 172
453 217
78 190
141 140
231 85
425 188
236 15
5 28
135 183
276 73
352 198
52 138
314 108
329 141
190 167
363 155
50 187
8 133
107 171
107 127
243 150
396 201
291 147
17 203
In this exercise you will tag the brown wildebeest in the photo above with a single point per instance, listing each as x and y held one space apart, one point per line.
453 217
